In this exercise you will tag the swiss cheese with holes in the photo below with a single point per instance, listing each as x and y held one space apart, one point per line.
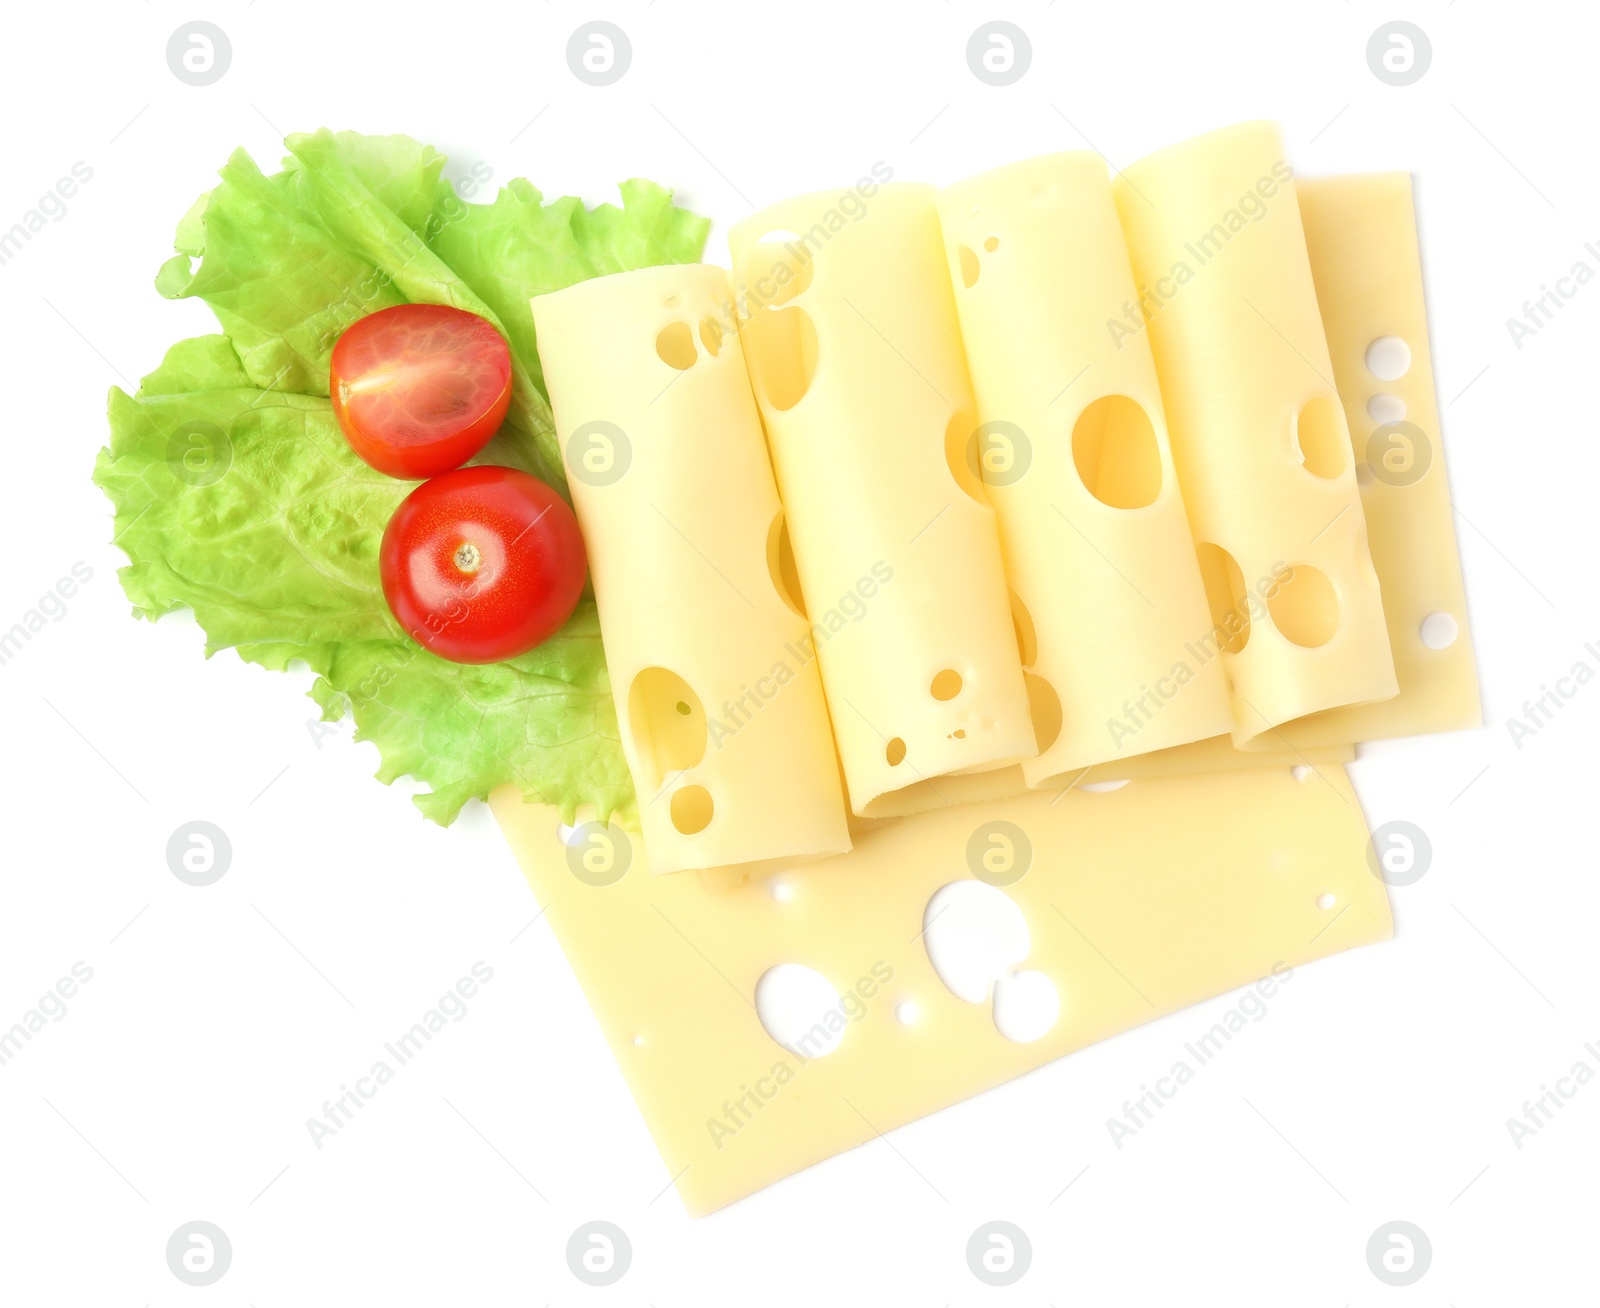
1117 635
713 668
1361 235
849 326
1118 907
1258 433
1214 755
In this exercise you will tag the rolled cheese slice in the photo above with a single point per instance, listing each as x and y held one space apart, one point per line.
849 326
716 686
1361 234
1092 526
1258 434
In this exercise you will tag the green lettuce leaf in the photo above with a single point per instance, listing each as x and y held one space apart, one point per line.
248 506
330 183
543 722
519 247
237 496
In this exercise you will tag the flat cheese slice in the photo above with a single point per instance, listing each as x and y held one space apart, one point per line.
711 661
1258 433
1213 755
849 326
1361 235
1073 441
1123 906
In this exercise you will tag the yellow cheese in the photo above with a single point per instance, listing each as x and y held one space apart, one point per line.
723 720
849 326
1214 755
1132 904
1361 234
1258 434
1097 547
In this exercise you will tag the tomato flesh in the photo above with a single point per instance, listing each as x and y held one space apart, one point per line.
420 388
482 564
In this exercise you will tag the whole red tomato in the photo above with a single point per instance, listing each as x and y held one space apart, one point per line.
420 388
482 564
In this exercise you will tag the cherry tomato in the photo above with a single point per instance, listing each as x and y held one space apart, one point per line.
420 388
482 564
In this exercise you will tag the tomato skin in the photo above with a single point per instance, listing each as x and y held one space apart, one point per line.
418 389
481 564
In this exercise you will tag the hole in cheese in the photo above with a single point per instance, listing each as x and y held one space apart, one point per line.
1044 707
691 809
675 345
1384 408
1388 358
961 453
974 933
905 1012
895 752
1300 771
800 1010
1304 607
667 723
1320 438
1114 449
784 354
1103 787
991 244
1026 1006
1439 631
946 684
1225 594
969 265
781 565
1326 902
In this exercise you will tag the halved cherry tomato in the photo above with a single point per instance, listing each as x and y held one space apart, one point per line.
482 564
420 388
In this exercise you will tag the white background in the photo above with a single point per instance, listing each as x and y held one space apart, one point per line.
218 1020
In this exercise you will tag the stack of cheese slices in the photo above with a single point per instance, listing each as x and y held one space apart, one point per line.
937 518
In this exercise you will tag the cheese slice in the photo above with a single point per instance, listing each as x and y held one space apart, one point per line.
848 322
1361 235
1213 755
1132 904
712 667
1258 433
1097 547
